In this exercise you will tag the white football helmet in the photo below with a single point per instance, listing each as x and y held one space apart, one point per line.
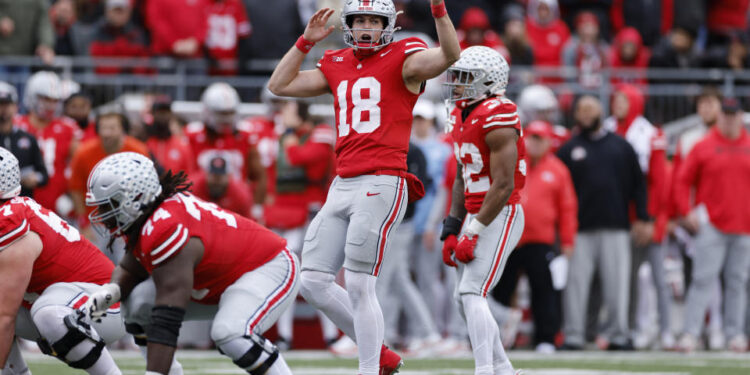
220 103
43 85
10 175
481 72
9 90
538 102
120 186
383 8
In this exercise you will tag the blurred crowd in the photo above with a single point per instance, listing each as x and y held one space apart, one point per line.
659 243
587 35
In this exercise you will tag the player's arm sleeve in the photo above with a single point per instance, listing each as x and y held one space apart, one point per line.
504 115
38 162
12 227
568 209
672 193
166 241
412 45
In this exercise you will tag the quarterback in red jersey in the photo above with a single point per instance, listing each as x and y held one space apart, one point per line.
48 271
220 134
193 251
57 136
375 83
491 171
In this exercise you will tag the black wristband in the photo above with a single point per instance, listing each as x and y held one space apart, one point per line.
451 225
165 325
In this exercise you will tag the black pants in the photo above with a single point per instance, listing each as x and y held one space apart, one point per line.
545 300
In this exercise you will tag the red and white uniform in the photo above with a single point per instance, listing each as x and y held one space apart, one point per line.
501 236
262 135
234 147
173 153
233 245
66 256
472 152
373 107
55 141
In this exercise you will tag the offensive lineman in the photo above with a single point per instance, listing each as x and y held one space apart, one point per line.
48 271
489 147
189 248
375 83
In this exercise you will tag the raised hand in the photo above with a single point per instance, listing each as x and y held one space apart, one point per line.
316 29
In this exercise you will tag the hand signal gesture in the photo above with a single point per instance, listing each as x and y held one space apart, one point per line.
316 29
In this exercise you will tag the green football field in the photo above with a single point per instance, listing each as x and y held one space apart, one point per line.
322 363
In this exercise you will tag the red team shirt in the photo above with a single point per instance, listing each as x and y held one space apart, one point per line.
472 152
227 23
234 147
66 256
55 141
233 245
373 107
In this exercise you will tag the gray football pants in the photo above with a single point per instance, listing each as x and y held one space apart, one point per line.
716 252
396 290
607 251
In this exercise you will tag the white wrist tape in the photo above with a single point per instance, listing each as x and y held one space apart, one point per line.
475 227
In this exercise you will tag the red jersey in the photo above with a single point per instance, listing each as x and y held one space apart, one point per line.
66 256
233 245
373 107
227 23
234 147
264 138
172 153
472 152
55 140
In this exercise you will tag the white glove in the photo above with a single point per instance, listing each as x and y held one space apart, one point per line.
99 301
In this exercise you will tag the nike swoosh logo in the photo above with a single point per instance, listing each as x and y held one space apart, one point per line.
372 194
474 121
385 53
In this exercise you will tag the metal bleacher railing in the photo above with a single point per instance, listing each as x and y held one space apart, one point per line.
670 92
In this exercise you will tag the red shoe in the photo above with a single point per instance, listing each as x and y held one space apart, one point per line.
390 362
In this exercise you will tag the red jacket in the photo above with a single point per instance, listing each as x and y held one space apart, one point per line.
237 197
294 198
629 35
172 20
719 170
649 144
549 203
547 41
727 15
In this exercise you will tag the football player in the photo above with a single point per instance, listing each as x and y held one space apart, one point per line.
48 271
489 148
235 271
375 83
57 136
219 134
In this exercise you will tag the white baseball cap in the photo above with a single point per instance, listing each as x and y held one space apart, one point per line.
424 109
